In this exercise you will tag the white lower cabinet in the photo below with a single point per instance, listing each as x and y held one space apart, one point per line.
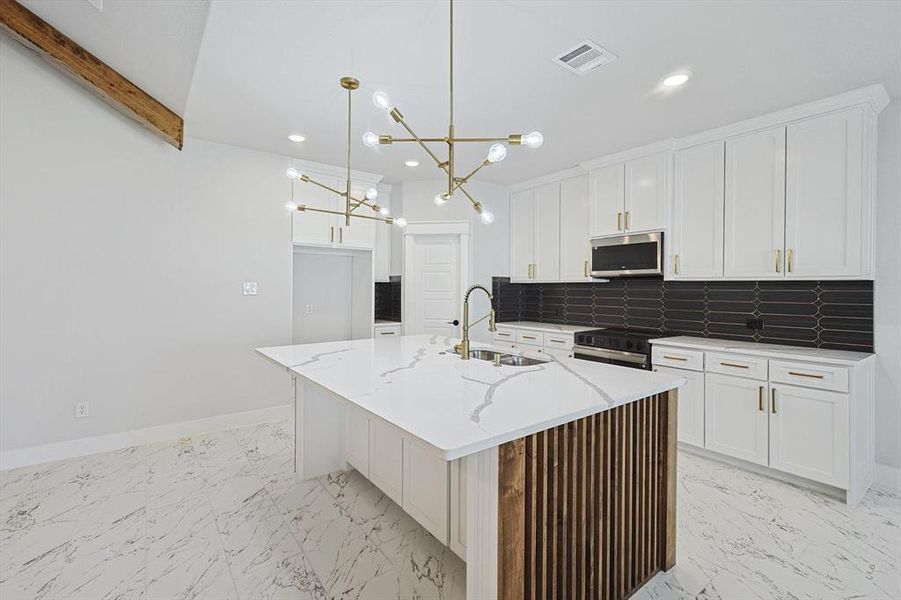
547 340
691 406
736 417
458 507
809 433
426 488
386 452
356 440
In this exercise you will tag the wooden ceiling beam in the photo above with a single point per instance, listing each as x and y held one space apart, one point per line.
62 52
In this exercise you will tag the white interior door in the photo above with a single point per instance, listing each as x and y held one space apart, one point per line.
435 285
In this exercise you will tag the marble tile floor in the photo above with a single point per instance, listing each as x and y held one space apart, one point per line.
220 516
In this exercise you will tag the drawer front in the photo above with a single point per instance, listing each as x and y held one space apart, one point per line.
533 338
824 377
559 341
504 343
737 365
387 330
504 335
678 358
558 352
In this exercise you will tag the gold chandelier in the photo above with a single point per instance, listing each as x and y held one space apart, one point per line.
351 204
496 153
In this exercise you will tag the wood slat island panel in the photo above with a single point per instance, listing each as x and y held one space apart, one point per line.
587 510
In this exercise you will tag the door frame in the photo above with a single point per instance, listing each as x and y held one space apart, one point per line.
425 228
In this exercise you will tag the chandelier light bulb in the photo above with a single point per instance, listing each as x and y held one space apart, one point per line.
497 153
487 217
372 193
440 199
292 173
384 211
381 100
400 222
291 205
533 140
370 139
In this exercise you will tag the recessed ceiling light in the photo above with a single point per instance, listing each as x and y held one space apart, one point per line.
412 163
676 79
296 137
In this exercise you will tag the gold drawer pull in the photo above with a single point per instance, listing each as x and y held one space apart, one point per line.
528 337
736 365
332 236
558 341
627 219
676 264
778 261
760 399
387 333
811 375
619 221
682 358
790 256
585 269
774 400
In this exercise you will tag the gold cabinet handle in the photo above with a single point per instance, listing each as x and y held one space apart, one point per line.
778 261
528 337
760 399
676 264
736 365
619 221
811 375
682 358
530 270
790 255
627 219
331 238
773 395
340 235
557 341
585 269
534 271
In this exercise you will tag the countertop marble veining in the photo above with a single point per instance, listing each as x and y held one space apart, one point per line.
551 327
461 407
820 355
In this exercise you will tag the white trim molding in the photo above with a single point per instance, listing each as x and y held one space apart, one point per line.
627 155
32 455
545 179
437 228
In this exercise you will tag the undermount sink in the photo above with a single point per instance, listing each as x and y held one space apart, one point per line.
512 360
486 354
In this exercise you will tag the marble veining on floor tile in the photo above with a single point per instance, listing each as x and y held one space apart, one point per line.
220 516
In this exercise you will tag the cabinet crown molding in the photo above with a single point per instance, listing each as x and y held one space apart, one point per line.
545 179
627 155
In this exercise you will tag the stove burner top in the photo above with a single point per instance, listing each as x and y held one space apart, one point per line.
629 340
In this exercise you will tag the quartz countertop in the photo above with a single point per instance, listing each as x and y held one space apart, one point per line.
385 322
819 355
462 407
536 326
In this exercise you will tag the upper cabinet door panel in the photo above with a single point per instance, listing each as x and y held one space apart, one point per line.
607 200
697 234
522 234
824 196
547 233
575 248
311 227
755 204
645 202
361 232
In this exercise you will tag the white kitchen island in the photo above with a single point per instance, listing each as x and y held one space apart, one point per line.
557 477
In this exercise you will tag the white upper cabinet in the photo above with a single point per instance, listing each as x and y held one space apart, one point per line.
522 235
547 233
755 204
313 227
697 231
645 200
361 232
607 198
382 252
825 216
575 249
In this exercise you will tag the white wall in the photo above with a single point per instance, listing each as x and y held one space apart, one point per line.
888 288
490 243
121 267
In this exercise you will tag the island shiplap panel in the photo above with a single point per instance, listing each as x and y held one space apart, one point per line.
587 509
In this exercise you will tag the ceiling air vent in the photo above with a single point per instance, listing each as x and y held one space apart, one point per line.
585 57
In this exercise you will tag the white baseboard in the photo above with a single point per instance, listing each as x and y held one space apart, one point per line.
887 476
22 457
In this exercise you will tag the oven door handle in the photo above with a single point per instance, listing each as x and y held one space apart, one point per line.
630 357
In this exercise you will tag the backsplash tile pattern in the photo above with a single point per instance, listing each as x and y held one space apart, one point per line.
387 299
825 314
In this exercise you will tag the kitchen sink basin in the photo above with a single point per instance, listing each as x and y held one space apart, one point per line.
486 354
512 360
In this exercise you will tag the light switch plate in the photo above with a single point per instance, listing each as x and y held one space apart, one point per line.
82 410
250 288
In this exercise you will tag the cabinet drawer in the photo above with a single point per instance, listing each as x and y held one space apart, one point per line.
678 358
387 330
534 338
504 335
506 344
558 352
739 365
559 341
824 377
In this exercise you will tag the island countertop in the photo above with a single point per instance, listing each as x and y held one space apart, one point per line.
462 407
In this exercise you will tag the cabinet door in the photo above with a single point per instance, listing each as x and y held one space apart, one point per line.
522 234
736 417
809 433
312 227
426 488
691 406
575 247
755 204
823 196
386 454
547 233
606 200
458 507
645 193
697 234
361 232
356 440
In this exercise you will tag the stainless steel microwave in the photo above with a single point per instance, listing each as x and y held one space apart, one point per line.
640 254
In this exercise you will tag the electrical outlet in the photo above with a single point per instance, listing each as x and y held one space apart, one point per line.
754 324
82 410
250 288
308 309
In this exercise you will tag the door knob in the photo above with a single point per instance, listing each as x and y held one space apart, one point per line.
455 322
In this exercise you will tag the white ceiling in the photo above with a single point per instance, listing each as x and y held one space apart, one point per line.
266 69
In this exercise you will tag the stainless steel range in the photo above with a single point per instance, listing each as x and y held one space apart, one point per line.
622 347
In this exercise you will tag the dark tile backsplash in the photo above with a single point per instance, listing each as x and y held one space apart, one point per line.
825 314
387 299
